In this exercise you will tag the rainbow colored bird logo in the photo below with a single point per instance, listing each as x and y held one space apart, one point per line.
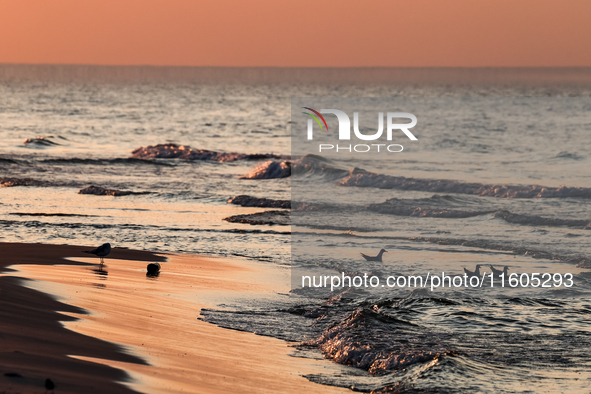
316 118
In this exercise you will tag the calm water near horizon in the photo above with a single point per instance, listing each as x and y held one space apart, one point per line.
448 340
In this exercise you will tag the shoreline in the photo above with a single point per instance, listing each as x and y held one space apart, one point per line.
35 344
126 333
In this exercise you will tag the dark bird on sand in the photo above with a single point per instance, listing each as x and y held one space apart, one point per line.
49 385
476 272
101 251
374 258
497 272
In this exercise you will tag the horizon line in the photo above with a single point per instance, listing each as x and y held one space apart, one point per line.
286 67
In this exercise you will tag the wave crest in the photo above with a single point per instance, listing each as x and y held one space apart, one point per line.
541 221
173 151
40 142
11 182
101 191
362 178
347 342
270 170
395 206
249 201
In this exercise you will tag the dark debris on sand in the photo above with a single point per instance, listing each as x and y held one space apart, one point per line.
153 269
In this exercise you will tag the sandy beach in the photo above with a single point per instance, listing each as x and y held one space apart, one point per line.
116 330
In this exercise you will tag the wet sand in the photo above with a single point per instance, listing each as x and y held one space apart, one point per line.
119 331
33 342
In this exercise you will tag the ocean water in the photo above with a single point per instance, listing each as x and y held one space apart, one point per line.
486 185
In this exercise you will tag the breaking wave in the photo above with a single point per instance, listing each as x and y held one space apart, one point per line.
399 207
249 201
173 151
361 178
580 261
129 160
279 218
347 343
270 170
6 224
11 182
530 220
41 142
313 165
101 191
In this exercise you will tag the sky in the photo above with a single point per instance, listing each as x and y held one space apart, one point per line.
303 33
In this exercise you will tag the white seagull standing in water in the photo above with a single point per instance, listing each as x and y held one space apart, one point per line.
375 258
101 251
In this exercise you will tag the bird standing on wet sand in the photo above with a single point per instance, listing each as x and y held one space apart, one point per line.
374 258
475 273
49 385
101 251
497 272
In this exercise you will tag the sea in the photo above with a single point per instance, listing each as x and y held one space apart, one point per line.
153 158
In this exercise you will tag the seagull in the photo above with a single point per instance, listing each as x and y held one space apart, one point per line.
475 273
101 251
375 258
49 385
497 272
